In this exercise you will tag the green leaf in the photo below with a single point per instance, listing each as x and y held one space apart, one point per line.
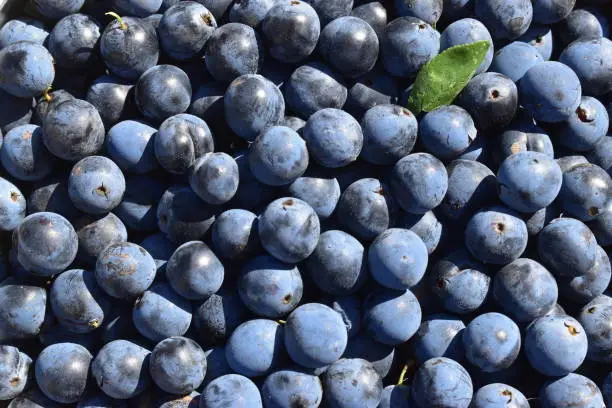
441 79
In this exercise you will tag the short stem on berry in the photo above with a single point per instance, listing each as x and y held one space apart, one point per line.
122 24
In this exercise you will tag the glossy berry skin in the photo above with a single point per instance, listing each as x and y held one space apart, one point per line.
184 30
395 396
163 91
234 234
337 265
96 233
515 59
194 271
330 10
569 162
471 186
389 133
43 107
374 88
358 41
447 131
552 11
255 348
289 229
24 155
270 288
62 370
130 146
373 13
460 282
391 316
499 395
161 249
315 335
586 126
505 19
572 389
439 336
584 288
540 37
406 45
529 181
551 91
46 243
594 75
442 382
426 10
586 191
285 387
78 303
594 319
467 31
367 208
349 308
73 130
352 382
138 8
583 23
112 97
138 208
96 185
231 390
567 247
12 206
556 345
180 141
218 316
161 313
322 194
214 178
183 216
26 68
602 228
216 364
313 87
381 356
524 140
334 137
426 226
14 372
278 156
125 270
250 13
398 258
491 99
492 342
252 103
18 111
496 236
300 27
73 41
233 50
121 369
177 365
23 29
129 51
23 310
419 182
525 290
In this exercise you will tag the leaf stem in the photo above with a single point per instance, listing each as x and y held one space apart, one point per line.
402 377
46 95
122 23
